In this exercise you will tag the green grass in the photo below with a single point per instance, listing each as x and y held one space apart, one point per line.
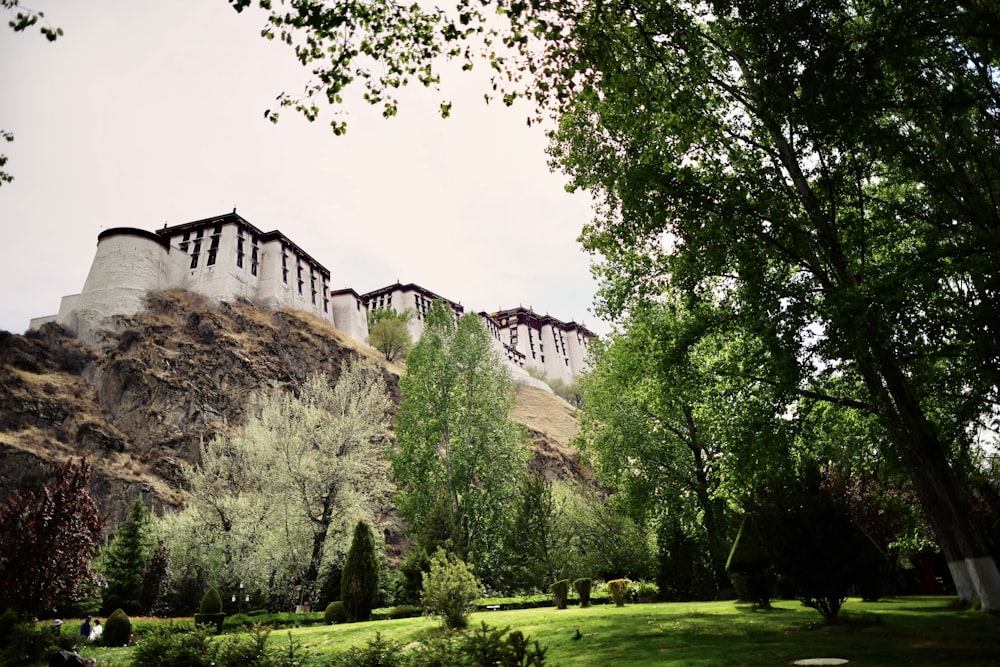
910 632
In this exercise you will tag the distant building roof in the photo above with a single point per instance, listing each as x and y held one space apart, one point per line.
236 219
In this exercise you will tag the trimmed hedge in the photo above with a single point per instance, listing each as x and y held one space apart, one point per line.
582 587
117 629
560 593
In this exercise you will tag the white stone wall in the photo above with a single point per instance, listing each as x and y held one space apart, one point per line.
350 315
128 264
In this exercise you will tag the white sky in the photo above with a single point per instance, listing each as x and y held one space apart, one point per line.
151 112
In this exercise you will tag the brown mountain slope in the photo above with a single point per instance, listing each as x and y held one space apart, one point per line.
141 402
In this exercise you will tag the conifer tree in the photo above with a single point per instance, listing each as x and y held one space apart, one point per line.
359 581
126 559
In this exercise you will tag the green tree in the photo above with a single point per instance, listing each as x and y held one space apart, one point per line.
359 580
809 537
449 589
125 561
537 538
391 337
825 173
272 506
658 422
606 543
460 456
48 538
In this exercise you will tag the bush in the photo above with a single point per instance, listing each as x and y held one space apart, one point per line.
449 588
210 611
619 589
117 629
211 602
165 647
404 611
335 613
377 653
560 593
582 588
646 592
483 646
359 581
26 644
414 565
749 566
7 622
169 646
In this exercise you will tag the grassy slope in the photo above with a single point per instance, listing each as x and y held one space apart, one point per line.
914 632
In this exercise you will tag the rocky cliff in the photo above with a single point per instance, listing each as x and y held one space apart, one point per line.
139 402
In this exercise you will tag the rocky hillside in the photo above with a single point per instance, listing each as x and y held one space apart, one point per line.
140 402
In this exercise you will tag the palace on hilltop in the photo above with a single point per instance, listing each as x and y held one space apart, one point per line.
225 258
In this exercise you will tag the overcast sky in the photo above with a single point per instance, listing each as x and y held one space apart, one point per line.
146 113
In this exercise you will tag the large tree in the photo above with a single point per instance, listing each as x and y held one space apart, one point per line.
826 170
460 457
665 427
274 504
48 539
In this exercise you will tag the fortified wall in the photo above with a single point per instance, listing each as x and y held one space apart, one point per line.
226 257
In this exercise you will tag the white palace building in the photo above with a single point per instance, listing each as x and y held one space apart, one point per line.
226 258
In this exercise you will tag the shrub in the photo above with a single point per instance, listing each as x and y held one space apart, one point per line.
449 588
117 629
483 646
26 644
415 564
619 589
560 593
335 613
646 591
377 653
404 611
749 566
211 602
359 581
582 588
7 622
210 611
165 647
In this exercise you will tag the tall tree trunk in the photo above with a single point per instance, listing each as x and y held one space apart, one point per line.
972 567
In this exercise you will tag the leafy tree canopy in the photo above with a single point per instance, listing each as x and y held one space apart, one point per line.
460 457
273 506
48 538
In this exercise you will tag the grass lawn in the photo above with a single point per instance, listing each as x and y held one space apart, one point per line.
910 632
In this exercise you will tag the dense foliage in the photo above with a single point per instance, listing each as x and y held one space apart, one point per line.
460 457
48 540
449 589
117 629
272 507
360 578
127 564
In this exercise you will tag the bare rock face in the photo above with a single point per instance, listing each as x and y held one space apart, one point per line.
138 404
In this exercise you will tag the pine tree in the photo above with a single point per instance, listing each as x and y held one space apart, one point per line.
125 560
359 582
